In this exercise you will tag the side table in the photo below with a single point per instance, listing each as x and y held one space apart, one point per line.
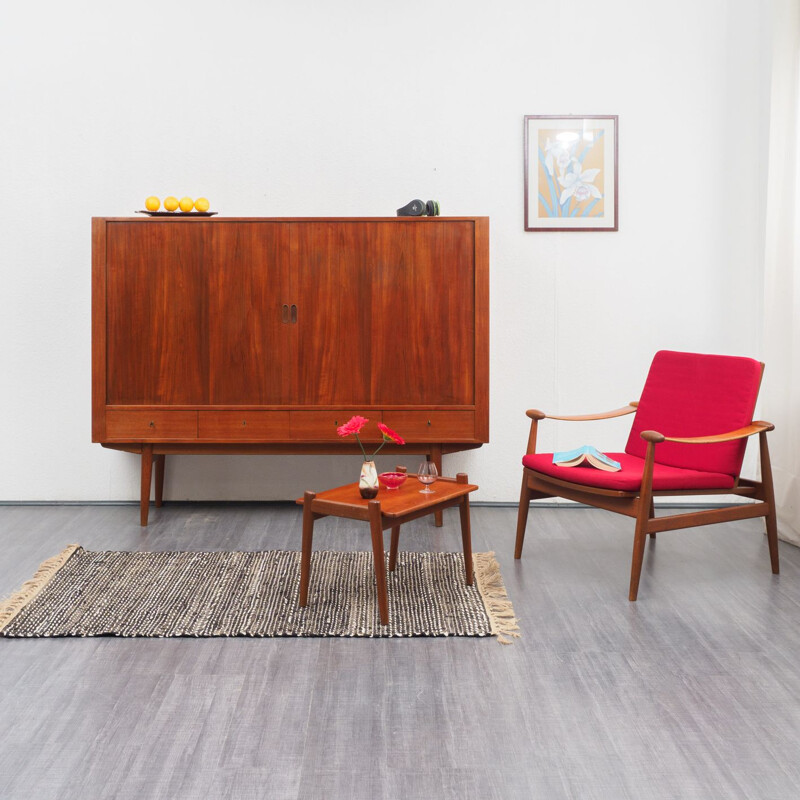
390 509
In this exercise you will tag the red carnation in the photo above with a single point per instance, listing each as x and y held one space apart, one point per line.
390 435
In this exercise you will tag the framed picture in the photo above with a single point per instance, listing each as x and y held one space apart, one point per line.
570 173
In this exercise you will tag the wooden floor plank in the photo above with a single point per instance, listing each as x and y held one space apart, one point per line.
691 692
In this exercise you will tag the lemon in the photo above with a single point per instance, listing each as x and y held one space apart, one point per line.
171 203
201 204
152 203
186 204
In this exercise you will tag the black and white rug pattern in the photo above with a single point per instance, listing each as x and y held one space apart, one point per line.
203 594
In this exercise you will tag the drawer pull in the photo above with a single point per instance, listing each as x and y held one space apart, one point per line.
152 423
244 422
429 423
294 314
285 316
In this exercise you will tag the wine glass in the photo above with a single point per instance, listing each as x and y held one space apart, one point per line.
427 474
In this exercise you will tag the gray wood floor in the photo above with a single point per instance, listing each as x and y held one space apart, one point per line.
693 692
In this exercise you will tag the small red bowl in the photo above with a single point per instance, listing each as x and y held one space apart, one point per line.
392 480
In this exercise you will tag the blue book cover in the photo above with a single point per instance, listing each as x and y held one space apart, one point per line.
586 454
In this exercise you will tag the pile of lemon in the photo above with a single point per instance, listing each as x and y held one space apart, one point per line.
185 204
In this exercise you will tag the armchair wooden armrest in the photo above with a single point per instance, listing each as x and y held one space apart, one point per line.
742 433
537 415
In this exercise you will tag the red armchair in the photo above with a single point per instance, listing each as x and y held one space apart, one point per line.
688 437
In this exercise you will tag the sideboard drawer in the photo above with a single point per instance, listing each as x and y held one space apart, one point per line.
261 426
321 425
432 426
151 424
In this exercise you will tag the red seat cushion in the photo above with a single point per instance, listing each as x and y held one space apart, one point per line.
629 478
689 394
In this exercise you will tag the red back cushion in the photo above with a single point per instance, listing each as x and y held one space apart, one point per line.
688 394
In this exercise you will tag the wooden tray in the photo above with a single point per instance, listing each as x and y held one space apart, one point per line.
178 213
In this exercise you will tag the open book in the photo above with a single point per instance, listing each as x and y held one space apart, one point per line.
590 455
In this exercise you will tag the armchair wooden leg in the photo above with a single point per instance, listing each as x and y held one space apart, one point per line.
652 515
772 540
638 558
643 513
522 515
769 498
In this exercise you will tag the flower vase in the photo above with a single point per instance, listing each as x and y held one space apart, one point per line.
368 482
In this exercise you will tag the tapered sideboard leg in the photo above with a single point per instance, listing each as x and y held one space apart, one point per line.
147 473
436 456
160 463
466 532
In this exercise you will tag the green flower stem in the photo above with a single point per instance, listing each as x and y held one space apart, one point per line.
379 449
361 446
366 457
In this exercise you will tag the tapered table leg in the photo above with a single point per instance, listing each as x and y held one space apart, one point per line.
376 530
305 556
395 532
393 549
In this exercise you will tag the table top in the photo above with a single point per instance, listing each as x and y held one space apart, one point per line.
347 502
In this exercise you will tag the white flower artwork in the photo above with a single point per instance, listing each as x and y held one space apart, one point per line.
557 153
577 183
570 173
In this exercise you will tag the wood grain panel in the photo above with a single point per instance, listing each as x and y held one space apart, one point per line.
156 314
331 289
98 330
250 361
423 314
482 329
321 425
432 426
253 426
146 425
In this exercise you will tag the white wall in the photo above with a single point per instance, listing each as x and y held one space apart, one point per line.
355 108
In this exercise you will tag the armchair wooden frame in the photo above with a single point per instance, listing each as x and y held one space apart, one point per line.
639 505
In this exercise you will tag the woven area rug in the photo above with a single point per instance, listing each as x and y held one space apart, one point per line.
84 593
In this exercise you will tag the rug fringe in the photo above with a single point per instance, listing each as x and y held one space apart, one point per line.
493 592
12 605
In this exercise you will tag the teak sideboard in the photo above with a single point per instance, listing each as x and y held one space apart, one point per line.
254 335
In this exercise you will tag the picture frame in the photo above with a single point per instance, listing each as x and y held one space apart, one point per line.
571 172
